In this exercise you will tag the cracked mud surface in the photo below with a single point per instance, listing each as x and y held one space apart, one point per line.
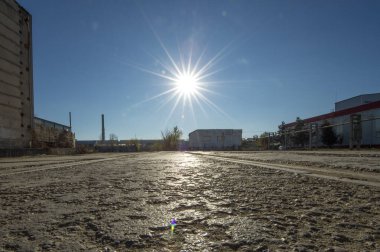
126 205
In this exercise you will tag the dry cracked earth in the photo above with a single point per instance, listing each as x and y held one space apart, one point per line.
126 204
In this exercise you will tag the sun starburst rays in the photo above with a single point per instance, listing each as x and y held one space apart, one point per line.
188 80
188 77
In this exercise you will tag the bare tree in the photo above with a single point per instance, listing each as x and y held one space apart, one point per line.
171 138
134 143
263 141
281 133
113 139
300 138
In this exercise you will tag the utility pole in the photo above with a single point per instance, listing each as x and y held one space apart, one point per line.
310 127
70 120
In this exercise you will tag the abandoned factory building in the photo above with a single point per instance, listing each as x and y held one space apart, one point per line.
18 127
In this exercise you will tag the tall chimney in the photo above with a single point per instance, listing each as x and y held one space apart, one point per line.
103 130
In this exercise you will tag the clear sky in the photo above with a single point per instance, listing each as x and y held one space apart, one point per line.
263 62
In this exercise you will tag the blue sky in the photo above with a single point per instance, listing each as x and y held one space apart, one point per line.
273 61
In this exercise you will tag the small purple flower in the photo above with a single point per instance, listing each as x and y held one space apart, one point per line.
173 222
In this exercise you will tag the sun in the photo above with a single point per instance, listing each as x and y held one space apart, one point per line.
188 78
186 84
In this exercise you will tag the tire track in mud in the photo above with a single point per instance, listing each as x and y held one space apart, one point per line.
52 166
368 179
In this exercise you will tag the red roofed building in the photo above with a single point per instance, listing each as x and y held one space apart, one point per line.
366 105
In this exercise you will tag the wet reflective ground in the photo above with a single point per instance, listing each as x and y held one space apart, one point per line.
126 204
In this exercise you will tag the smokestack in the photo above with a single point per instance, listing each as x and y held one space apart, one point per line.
103 130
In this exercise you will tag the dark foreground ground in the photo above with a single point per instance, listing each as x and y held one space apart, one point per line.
126 203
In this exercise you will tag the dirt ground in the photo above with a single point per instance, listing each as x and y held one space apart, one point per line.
364 160
114 202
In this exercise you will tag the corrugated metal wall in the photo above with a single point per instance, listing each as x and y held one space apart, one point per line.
357 101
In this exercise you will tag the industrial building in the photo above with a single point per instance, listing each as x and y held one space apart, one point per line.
16 76
51 134
19 128
366 107
215 139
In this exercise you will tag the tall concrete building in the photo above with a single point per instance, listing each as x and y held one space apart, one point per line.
16 76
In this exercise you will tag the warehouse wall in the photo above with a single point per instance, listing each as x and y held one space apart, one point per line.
356 101
215 139
16 80
370 129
